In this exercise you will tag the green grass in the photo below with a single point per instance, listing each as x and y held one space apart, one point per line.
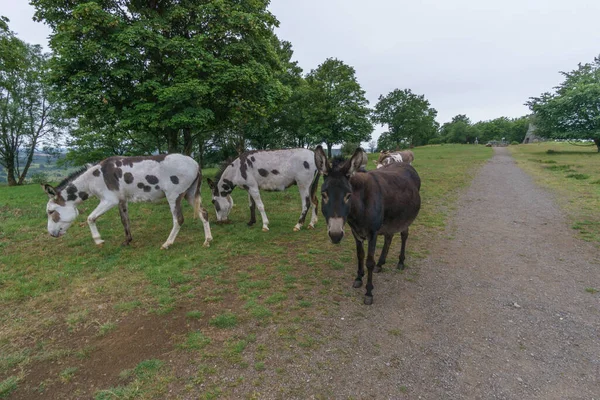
104 329
195 341
67 374
7 386
224 321
194 314
573 172
265 289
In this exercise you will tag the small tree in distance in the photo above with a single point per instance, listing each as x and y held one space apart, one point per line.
573 110
409 117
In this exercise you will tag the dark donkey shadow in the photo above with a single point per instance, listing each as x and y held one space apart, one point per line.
379 202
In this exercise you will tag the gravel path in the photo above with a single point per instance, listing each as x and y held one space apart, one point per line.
498 311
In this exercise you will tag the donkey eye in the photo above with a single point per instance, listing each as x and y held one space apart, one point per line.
347 197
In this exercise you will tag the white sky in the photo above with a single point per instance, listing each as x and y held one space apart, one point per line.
481 58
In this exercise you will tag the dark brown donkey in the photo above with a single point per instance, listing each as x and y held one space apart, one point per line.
379 202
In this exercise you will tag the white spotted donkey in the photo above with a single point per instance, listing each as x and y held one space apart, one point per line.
118 180
271 170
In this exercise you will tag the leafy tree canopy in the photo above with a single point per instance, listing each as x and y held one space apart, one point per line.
168 70
339 109
409 117
572 111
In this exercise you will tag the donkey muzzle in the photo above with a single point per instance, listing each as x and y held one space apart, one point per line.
335 228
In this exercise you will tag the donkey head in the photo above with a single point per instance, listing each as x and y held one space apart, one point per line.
336 189
61 213
221 200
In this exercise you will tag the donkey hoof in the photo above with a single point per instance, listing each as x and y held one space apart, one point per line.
265 229
206 243
164 247
250 223
99 242
311 226
296 229
368 300
377 269
357 283
125 243
401 266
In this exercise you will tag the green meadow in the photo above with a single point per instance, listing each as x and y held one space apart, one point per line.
572 172
138 322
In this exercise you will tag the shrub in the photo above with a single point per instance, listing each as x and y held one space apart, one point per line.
39 177
514 142
435 141
348 148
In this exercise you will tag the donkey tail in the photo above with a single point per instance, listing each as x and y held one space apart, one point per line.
193 195
313 188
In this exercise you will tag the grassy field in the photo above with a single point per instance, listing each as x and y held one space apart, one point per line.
573 172
138 322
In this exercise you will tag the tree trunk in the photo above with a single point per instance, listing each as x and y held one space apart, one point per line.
10 175
188 142
173 141
27 165
201 153
329 145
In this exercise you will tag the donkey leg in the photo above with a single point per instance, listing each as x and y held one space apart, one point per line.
252 210
125 221
305 197
360 254
207 234
370 267
103 207
175 203
194 198
315 217
384 252
261 208
404 236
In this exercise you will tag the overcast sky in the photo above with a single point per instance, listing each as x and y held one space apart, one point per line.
481 58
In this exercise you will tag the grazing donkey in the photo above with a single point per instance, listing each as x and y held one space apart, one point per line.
117 180
379 202
386 157
272 170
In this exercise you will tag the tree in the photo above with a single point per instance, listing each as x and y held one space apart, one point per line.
372 146
164 73
27 117
511 129
339 111
409 118
458 130
572 111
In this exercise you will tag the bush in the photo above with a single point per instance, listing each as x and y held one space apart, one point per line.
435 141
348 148
38 177
514 142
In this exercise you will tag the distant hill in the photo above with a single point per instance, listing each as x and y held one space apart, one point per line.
43 167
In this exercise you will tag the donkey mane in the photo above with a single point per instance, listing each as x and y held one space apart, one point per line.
222 168
74 175
337 162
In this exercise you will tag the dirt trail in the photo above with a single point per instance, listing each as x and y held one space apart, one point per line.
498 311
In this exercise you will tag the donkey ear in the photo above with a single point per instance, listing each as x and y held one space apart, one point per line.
211 184
321 161
357 160
50 191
